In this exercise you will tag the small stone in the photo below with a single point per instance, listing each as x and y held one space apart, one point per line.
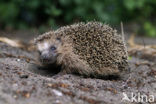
24 76
27 95
18 60
58 93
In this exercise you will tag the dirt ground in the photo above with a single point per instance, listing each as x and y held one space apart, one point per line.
22 82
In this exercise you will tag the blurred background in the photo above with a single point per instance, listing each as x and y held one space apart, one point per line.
138 15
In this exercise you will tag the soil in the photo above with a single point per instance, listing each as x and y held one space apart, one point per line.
23 82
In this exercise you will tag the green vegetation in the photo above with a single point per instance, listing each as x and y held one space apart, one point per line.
21 14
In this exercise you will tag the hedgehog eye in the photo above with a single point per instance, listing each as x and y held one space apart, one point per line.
53 48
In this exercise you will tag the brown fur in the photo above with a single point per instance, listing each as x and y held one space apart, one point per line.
88 49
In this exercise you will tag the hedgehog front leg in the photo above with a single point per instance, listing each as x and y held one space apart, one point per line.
72 64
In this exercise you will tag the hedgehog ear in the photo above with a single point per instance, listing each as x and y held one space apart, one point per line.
59 39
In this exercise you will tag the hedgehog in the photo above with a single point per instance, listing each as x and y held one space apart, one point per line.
89 49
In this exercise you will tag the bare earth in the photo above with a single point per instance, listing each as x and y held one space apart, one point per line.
22 82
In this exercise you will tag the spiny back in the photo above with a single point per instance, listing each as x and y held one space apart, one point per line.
96 43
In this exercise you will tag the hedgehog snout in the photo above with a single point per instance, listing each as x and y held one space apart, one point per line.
48 57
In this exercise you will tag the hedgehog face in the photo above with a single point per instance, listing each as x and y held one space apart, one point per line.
48 50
